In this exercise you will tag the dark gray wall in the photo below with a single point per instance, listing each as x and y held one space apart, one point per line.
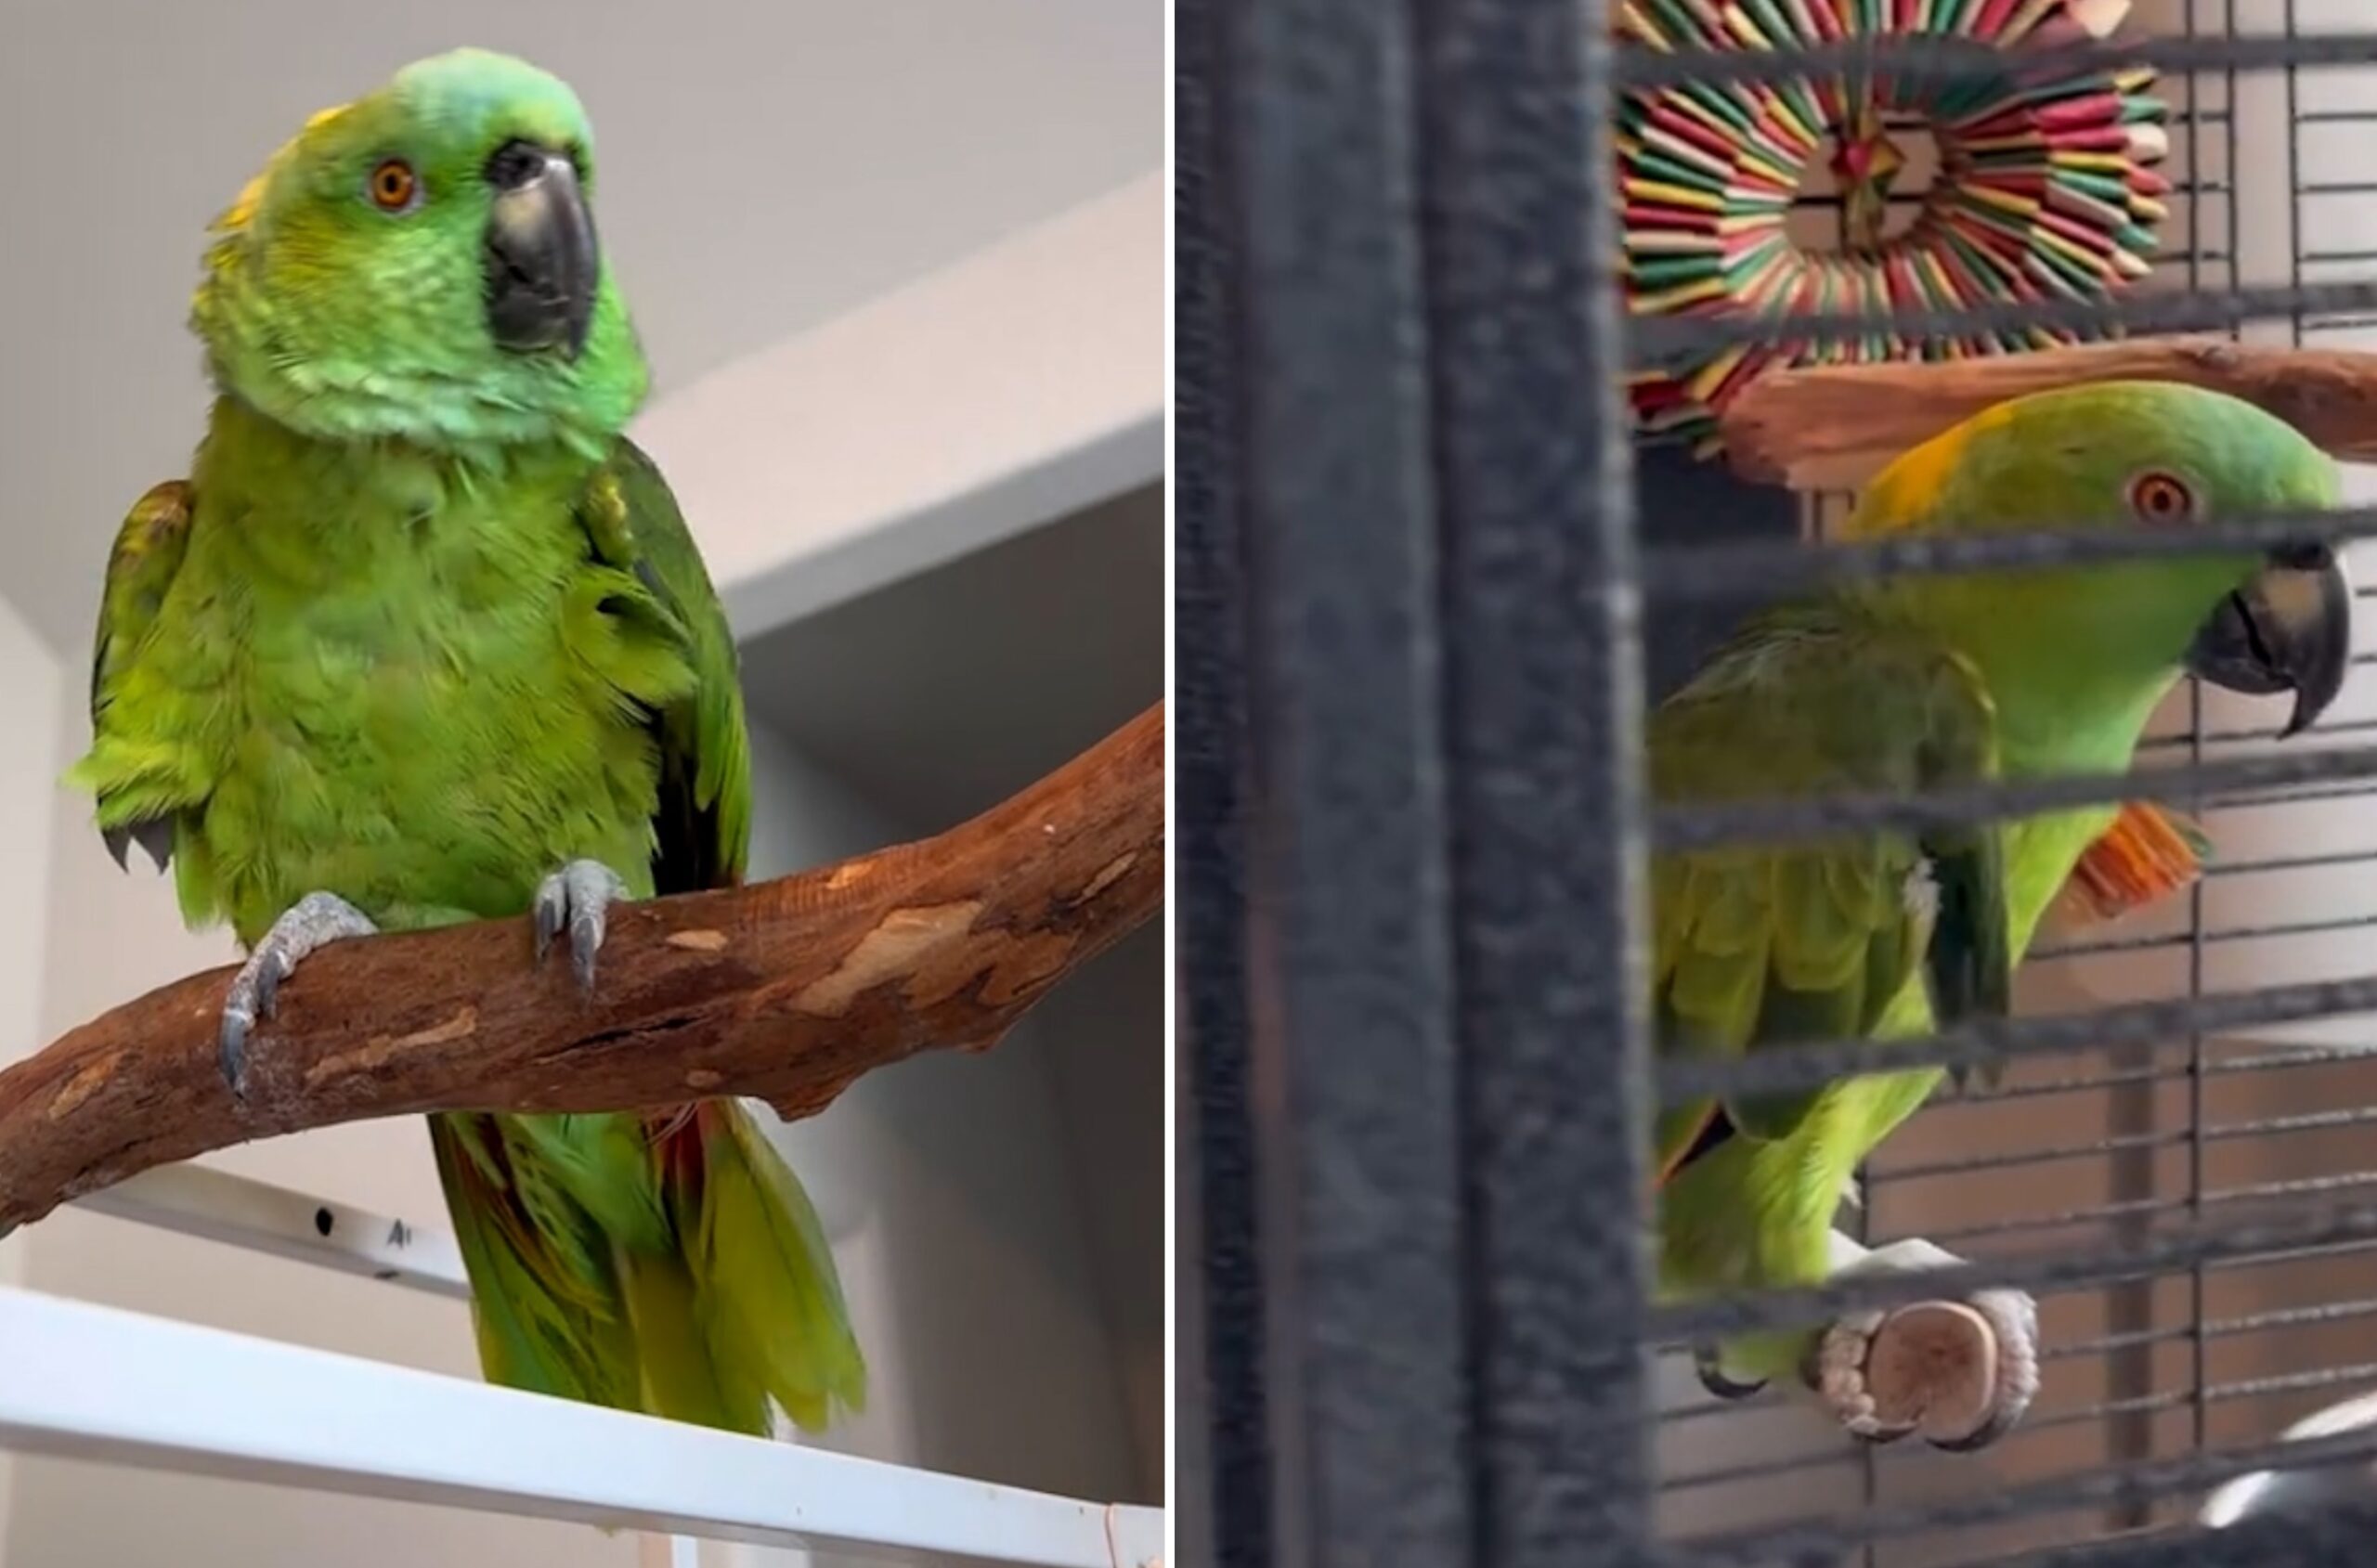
1687 506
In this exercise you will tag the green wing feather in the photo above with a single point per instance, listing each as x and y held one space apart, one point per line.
702 822
1756 945
142 794
770 1303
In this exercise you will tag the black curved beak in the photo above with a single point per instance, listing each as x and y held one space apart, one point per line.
542 263
2290 629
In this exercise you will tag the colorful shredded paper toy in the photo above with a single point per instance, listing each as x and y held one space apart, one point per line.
2044 191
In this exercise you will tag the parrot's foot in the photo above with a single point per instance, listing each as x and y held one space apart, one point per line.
1969 1083
1711 1368
313 922
1962 1372
578 897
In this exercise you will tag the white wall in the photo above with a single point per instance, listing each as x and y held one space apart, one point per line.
29 694
1103 1031
945 1183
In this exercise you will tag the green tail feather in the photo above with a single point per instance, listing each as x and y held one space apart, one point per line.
769 1299
678 1380
540 1327
670 1265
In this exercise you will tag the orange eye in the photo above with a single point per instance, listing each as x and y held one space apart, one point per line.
393 185
2162 497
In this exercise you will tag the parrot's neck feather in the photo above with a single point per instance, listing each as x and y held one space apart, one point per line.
2075 667
378 466
424 398
319 491
2080 733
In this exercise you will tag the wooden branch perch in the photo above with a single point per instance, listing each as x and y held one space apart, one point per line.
784 991
1835 427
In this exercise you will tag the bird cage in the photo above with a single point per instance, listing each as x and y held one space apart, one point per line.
1431 568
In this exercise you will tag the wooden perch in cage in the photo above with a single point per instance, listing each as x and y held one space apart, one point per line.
1835 427
783 991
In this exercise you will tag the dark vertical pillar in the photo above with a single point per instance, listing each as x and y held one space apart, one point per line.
1346 958
1543 719
1222 1492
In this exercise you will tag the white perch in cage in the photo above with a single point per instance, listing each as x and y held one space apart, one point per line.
2311 1487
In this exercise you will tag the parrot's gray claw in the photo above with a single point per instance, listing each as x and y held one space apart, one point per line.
313 922
1711 1369
578 899
1837 1372
1966 1081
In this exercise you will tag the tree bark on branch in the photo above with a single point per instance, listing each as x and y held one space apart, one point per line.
1835 427
783 991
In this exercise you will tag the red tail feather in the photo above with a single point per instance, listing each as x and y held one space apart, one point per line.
2147 855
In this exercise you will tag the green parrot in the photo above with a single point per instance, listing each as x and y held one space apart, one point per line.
1934 682
423 638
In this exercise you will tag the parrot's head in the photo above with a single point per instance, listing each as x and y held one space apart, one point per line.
422 265
2133 455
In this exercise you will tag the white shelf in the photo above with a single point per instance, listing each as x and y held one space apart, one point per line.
75 1381
80 1380
199 1201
